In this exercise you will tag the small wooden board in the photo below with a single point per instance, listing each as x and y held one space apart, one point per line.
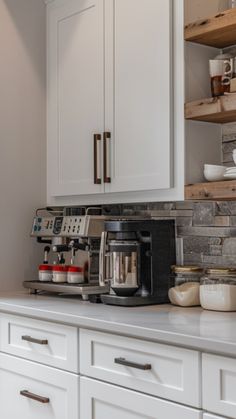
224 190
218 31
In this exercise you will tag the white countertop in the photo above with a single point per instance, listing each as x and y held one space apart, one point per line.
191 327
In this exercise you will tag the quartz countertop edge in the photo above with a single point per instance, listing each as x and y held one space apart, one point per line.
191 328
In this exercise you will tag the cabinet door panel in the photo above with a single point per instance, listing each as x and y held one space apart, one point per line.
208 416
76 94
60 388
100 401
138 93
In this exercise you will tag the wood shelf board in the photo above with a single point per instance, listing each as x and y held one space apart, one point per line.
220 110
224 190
218 31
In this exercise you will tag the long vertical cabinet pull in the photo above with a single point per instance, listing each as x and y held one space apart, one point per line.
106 156
97 159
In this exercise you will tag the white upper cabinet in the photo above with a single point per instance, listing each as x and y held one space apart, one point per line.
75 93
115 101
138 93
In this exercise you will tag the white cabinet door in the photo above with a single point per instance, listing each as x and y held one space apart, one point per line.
75 95
33 391
219 381
103 401
208 416
138 100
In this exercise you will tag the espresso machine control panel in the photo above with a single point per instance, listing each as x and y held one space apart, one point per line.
68 226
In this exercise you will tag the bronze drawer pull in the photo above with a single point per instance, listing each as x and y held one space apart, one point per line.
33 340
123 361
96 141
35 397
106 156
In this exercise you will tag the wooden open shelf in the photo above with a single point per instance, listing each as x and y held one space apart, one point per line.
220 110
225 190
218 31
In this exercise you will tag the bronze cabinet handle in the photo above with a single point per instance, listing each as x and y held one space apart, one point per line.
33 340
123 361
35 397
106 158
96 144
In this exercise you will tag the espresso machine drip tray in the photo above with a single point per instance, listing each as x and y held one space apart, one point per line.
71 289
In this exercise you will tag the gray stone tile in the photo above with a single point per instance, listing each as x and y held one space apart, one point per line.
228 147
229 129
203 214
196 245
207 231
184 205
222 220
225 208
191 259
219 261
229 247
215 250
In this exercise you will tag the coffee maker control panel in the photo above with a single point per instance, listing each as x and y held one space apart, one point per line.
68 226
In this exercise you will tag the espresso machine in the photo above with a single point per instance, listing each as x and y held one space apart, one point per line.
135 261
66 235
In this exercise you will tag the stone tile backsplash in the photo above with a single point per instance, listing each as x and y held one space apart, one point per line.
206 231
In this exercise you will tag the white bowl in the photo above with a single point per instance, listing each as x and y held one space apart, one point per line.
214 173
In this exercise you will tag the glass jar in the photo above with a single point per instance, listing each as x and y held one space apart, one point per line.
186 273
218 289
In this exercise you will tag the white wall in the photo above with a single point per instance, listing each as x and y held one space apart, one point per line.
22 135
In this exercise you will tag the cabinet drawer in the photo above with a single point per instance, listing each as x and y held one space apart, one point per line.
219 383
160 370
48 343
103 401
32 391
207 416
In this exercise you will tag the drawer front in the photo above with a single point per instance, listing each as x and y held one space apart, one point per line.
48 343
103 401
32 391
207 416
219 383
159 370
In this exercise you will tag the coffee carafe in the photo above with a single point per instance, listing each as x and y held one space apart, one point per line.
120 257
135 261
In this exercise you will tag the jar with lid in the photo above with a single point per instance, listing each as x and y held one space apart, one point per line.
218 289
185 273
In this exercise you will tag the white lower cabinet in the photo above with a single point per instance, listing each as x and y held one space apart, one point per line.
105 401
219 381
33 391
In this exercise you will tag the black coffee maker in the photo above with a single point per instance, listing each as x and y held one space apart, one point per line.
135 260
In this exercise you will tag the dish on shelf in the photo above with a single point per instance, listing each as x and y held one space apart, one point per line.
231 176
214 173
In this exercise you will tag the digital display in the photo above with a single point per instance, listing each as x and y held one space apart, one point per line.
57 225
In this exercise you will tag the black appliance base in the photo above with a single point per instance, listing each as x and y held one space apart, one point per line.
115 300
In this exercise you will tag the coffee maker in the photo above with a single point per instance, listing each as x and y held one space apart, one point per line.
65 235
135 261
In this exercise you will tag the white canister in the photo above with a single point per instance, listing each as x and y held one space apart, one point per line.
218 290
60 273
75 275
45 273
